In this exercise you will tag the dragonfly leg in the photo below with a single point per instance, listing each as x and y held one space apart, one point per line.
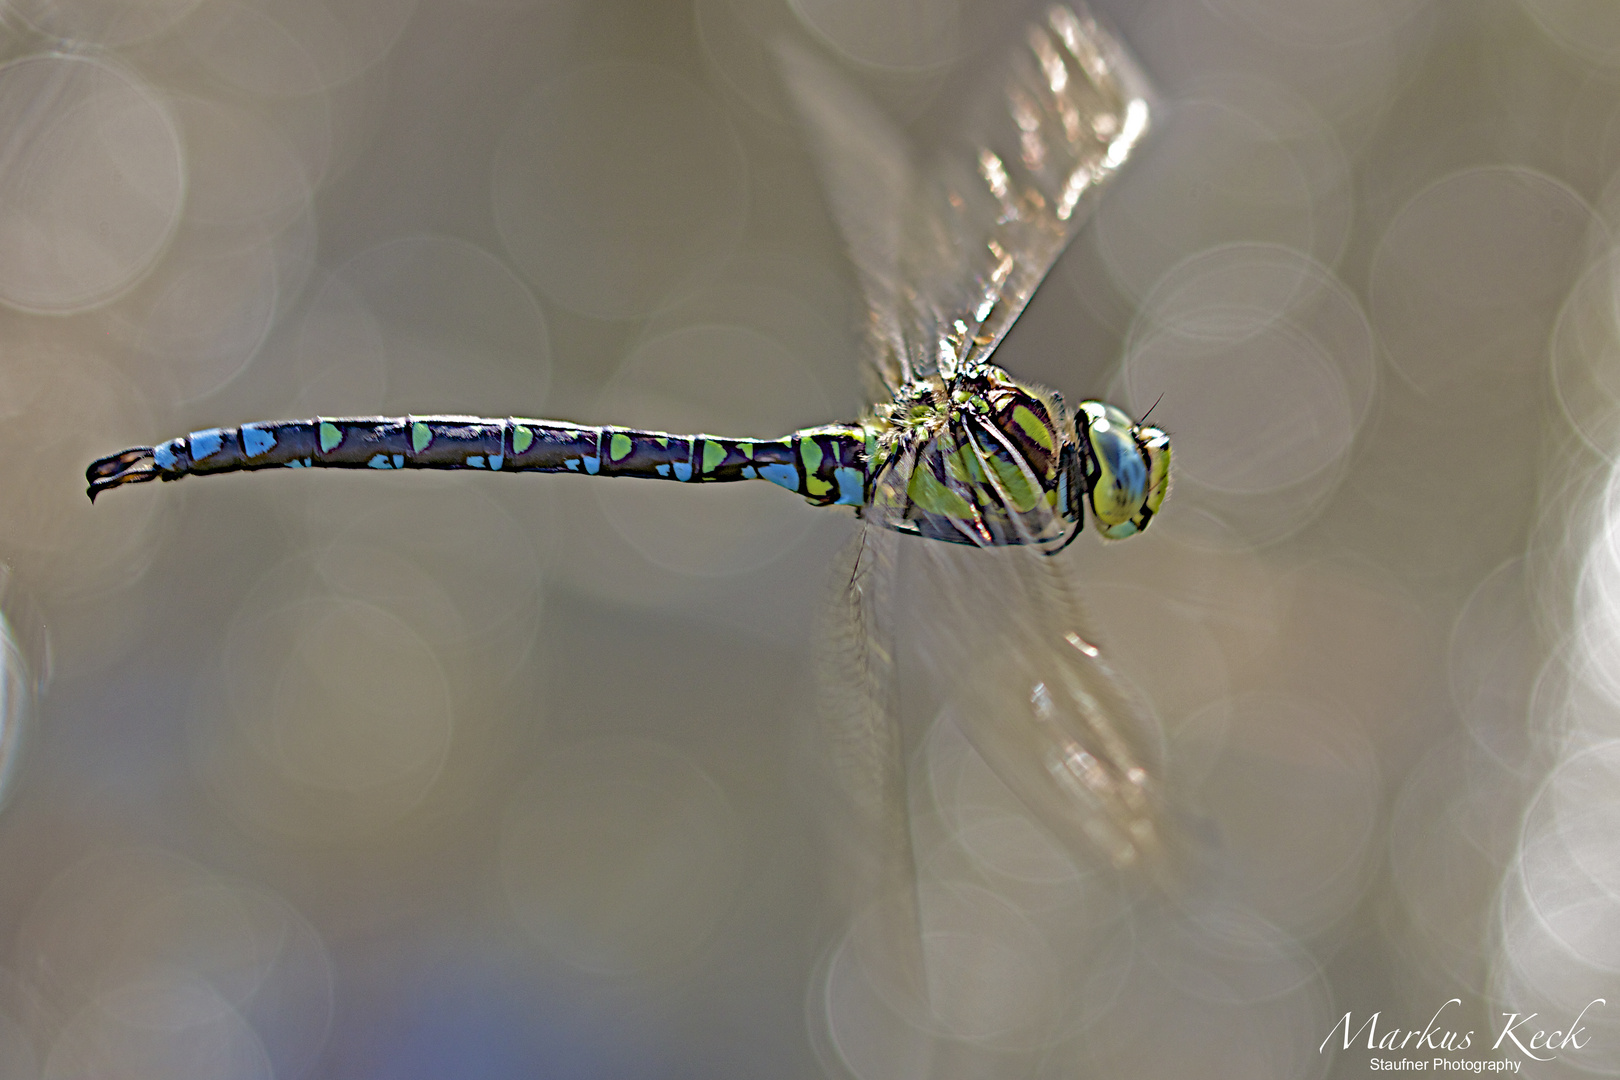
136 466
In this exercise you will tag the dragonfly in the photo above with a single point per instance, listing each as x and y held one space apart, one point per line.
979 476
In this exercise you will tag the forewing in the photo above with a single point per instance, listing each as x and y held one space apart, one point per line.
948 258
1065 111
870 183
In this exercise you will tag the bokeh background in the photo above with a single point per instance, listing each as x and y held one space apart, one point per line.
378 776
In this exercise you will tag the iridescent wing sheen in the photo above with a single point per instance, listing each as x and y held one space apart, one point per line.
1002 632
1004 645
949 257
1068 109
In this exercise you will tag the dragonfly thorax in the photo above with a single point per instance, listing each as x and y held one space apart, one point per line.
977 458
980 458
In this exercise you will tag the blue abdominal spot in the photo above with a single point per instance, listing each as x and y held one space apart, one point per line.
206 443
257 441
785 475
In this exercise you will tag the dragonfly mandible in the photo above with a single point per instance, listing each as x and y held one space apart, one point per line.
992 474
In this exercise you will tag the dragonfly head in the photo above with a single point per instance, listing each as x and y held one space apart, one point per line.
1126 468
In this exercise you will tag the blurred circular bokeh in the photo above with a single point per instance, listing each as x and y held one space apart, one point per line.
349 774
93 185
618 187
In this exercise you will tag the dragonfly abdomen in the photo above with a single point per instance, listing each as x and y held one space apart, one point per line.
828 465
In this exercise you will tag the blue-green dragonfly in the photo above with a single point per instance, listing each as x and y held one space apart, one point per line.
955 450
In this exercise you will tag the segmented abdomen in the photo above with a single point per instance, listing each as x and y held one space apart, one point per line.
825 465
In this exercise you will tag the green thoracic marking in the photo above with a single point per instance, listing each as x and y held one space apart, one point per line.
747 449
522 438
1033 427
962 464
662 442
330 436
810 454
713 455
421 435
928 493
1014 484
618 446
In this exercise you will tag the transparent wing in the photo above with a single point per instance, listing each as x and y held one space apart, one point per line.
1004 638
871 184
1004 643
1066 111
948 258
864 749
1002 633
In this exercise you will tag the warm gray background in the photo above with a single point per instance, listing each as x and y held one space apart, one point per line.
425 776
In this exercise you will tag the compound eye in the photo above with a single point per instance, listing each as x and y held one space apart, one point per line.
1132 469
